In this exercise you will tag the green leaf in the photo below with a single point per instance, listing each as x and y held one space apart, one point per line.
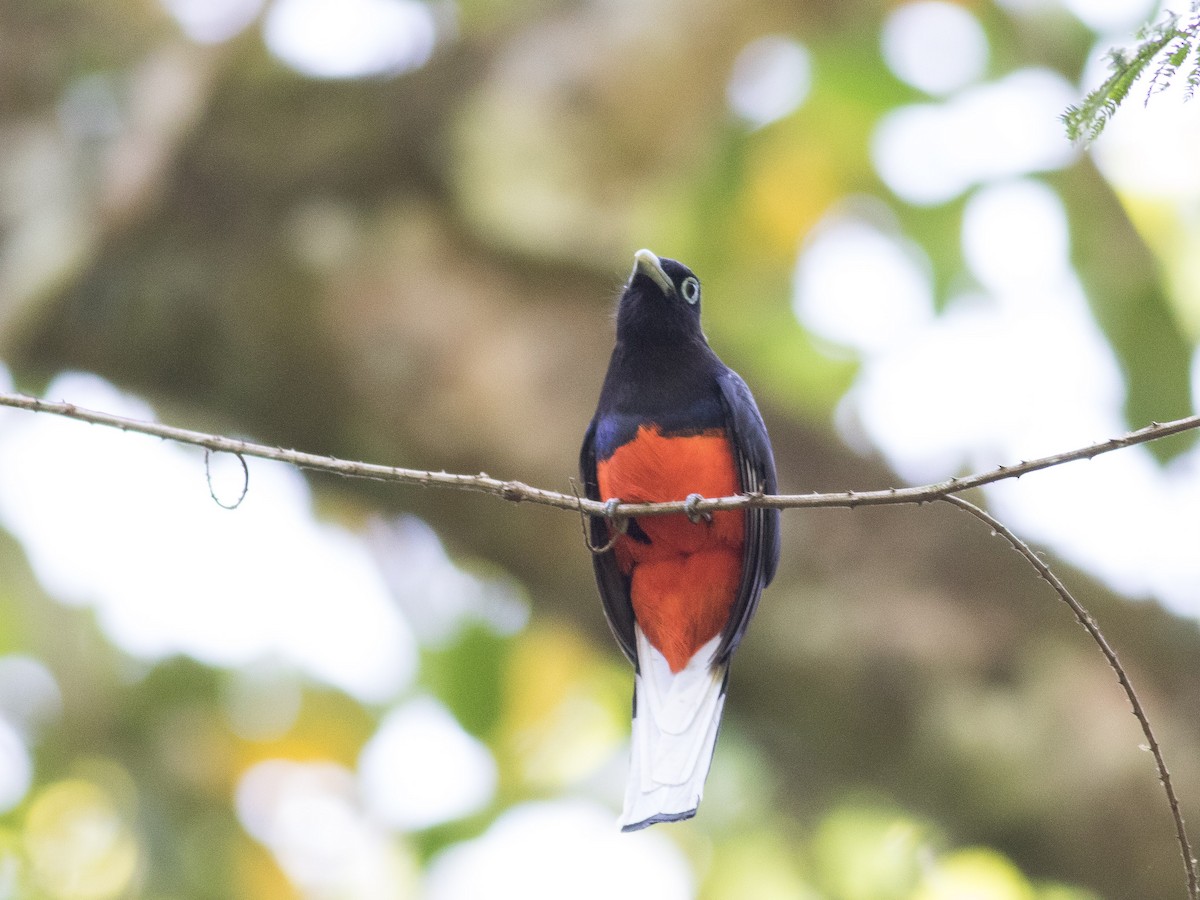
1087 120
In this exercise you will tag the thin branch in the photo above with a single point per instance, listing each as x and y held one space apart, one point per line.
1093 629
516 491
519 492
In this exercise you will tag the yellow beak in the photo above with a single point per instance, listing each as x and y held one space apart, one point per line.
648 264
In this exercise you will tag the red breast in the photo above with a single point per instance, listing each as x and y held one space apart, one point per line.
683 582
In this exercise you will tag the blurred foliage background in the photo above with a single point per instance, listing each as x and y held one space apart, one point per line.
394 230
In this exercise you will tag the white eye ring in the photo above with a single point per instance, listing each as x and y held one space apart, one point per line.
690 290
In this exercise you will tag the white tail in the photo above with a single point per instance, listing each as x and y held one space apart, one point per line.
675 723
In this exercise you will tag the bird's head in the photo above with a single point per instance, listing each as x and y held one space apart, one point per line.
660 303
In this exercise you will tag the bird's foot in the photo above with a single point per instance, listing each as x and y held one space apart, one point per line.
689 507
619 526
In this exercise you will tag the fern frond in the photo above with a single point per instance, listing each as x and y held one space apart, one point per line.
1165 41
1169 67
1193 79
1090 116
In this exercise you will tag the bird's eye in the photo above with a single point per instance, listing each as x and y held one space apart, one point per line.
690 290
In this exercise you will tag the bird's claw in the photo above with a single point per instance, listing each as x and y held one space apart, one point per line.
610 513
689 507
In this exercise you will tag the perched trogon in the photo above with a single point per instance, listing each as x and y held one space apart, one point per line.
679 590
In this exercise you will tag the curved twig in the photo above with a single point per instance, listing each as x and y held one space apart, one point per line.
1093 629
245 481
619 525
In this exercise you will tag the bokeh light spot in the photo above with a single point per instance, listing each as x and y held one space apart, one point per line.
929 153
861 287
977 874
77 843
1111 16
13 874
862 853
169 571
29 694
351 38
545 851
16 767
213 21
1015 236
421 768
263 700
438 599
566 708
936 47
308 815
771 77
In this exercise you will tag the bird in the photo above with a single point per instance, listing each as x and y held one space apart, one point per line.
673 422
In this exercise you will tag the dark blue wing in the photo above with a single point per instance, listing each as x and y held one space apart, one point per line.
614 586
756 470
